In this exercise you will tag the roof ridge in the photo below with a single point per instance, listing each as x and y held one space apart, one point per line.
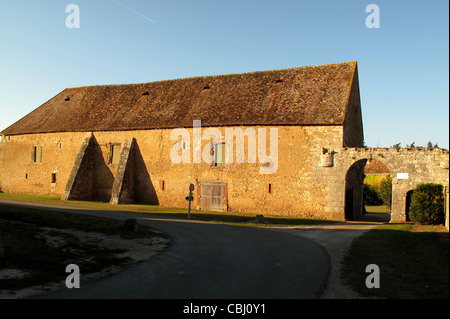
307 95
214 75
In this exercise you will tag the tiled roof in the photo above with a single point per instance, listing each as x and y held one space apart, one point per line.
312 95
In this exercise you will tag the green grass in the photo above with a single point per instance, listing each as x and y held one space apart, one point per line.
26 250
412 264
233 218
383 209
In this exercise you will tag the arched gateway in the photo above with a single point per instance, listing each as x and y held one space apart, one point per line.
408 168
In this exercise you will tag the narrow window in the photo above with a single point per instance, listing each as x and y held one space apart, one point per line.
270 188
37 154
219 155
53 178
163 185
114 157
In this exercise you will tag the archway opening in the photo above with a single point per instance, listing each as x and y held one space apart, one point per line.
408 203
368 191
354 203
377 191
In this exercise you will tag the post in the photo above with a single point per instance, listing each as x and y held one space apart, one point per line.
190 198
189 211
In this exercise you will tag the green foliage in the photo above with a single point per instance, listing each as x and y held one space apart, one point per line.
371 195
427 204
385 191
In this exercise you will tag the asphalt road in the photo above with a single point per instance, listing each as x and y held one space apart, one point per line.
211 261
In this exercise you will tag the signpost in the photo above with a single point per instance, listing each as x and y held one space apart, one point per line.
190 198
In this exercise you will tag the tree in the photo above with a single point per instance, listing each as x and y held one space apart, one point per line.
385 191
427 204
397 146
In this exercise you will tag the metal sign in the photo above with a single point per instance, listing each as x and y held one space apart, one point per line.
191 187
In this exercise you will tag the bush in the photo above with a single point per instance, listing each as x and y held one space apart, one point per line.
427 204
385 191
371 195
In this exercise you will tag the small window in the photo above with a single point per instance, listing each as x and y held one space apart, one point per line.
60 146
53 178
219 155
37 154
163 185
114 157
270 188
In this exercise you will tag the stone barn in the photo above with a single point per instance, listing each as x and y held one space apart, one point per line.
261 142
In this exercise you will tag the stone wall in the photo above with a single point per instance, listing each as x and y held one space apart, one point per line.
296 188
315 176
20 174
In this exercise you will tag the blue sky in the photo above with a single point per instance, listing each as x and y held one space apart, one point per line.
403 65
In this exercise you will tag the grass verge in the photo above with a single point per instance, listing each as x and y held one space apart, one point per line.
413 262
233 218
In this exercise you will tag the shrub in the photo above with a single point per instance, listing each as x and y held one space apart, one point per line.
385 191
427 204
371 195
